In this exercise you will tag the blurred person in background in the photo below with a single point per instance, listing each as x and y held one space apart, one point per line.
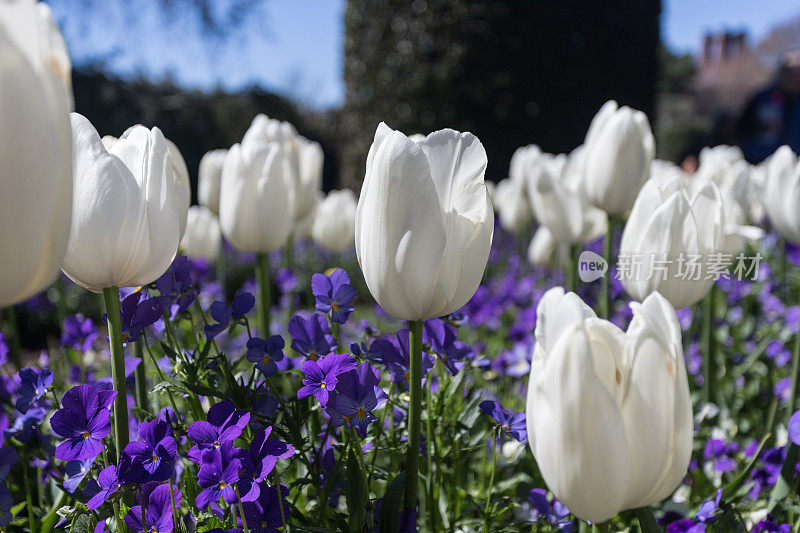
772 117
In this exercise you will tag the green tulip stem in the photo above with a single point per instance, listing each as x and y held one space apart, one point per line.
414 414
709 346
140 377
491 482
572 275
264 296
791 405
111 296
605 295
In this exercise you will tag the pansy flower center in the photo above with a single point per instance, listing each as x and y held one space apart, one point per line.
266 359
322 385
335 307
153 458
361 413
85 435
216 444
222 485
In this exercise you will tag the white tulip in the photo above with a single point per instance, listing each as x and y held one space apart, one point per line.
510 202
303 159
558 202
182 193
202 237
335 221
424 222
209 178
256 206
670 228
523 160
125 228
309 183
781 193
608 412
35 149
619 149
304 227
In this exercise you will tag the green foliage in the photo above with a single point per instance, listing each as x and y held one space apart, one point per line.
513 72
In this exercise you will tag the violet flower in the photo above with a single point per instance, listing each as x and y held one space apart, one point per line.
223 424
358 394
98 492
394 353
152 457
218 475
76 471
264 353
242 304
33 386
157 511
334 294
264 514
321 375
137 315
258 461
442 338
311 338
79 333
512 423
83 421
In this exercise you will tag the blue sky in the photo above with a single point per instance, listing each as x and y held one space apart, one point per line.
295 46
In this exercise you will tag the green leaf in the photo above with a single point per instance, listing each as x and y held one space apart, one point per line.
354 494
647 522
201 390
83 524
730 490
392 504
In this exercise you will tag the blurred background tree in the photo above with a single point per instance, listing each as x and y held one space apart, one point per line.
512 72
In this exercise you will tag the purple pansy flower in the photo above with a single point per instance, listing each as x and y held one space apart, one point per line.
83 421
442 338
334 294
26 426
79 333
224 423
218 475
157 512
395 355
264 353
259 460
98 492
554 512
175 283
794 428
311 338
321 375
709 510
264 514
137 314
76 471
33 386
357 394
152 457
512 423
721 453
242 303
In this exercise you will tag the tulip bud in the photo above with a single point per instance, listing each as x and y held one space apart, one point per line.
424 222
669 237
619 149
608 412
209 177
512 206
256 207
202 237
781 193
523 160
335 221
125 227
35 149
